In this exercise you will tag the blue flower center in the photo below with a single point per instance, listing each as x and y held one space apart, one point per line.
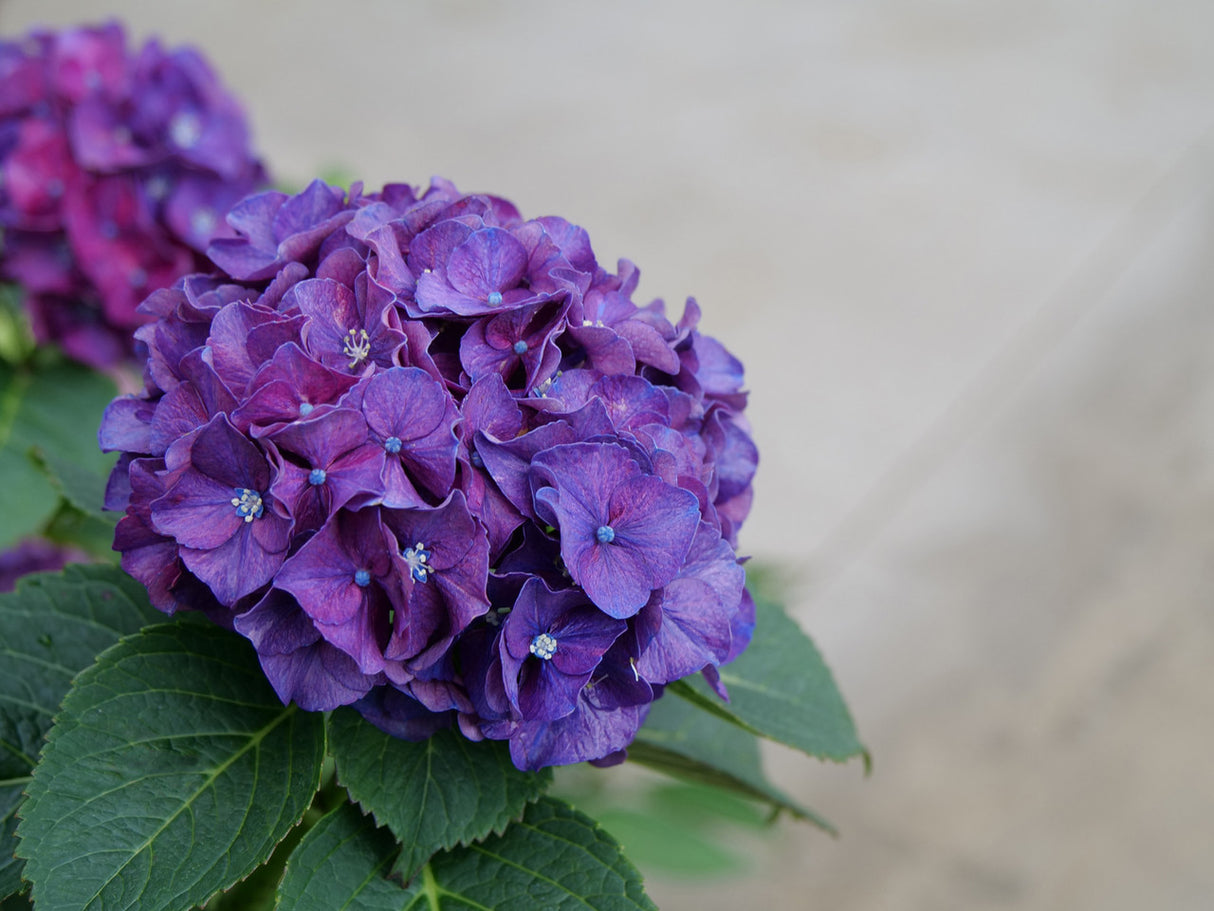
520 347
203 222
185 129
543 646
362 578
495 298
475 458
248 503
392 444
417 558
305 409
316 477
605 534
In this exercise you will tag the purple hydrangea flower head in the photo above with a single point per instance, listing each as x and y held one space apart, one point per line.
435 462
116 169
35 555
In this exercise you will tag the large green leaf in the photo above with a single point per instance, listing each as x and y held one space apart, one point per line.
433 794
48 444
782 689
555 858
171 772
686 743
11 793
52 627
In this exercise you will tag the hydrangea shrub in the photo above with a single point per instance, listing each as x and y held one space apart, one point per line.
436 502
433 460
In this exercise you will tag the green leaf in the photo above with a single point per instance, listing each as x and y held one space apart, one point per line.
781 688
691 745
52 627
16 340
171 772
658 841
82 487
51 413
555 858
89 532
706 805
11 792
343 862
433 794
27 498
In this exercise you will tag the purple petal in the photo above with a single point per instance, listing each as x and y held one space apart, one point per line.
488 261
236 568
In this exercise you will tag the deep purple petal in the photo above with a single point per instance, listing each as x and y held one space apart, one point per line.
488 261
236 568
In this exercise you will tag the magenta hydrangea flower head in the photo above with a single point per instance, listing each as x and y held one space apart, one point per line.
432 460
117 166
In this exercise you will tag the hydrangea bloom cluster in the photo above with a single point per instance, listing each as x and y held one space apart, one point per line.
115 171
432 460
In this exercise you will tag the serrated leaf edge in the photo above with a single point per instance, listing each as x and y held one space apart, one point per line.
495 829
54 731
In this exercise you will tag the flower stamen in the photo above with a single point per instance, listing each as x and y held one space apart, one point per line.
248 503
357 347
417 559
543 646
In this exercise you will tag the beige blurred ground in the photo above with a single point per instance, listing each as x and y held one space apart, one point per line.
965 251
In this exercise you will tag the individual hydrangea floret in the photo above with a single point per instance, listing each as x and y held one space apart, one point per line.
116 168
434 462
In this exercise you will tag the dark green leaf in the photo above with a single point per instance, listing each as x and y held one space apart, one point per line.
52 627
782 689
342 863
171 772
50 413
433 794
686 743
555 858
11 792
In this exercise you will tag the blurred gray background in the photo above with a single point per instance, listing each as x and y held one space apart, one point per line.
965 253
